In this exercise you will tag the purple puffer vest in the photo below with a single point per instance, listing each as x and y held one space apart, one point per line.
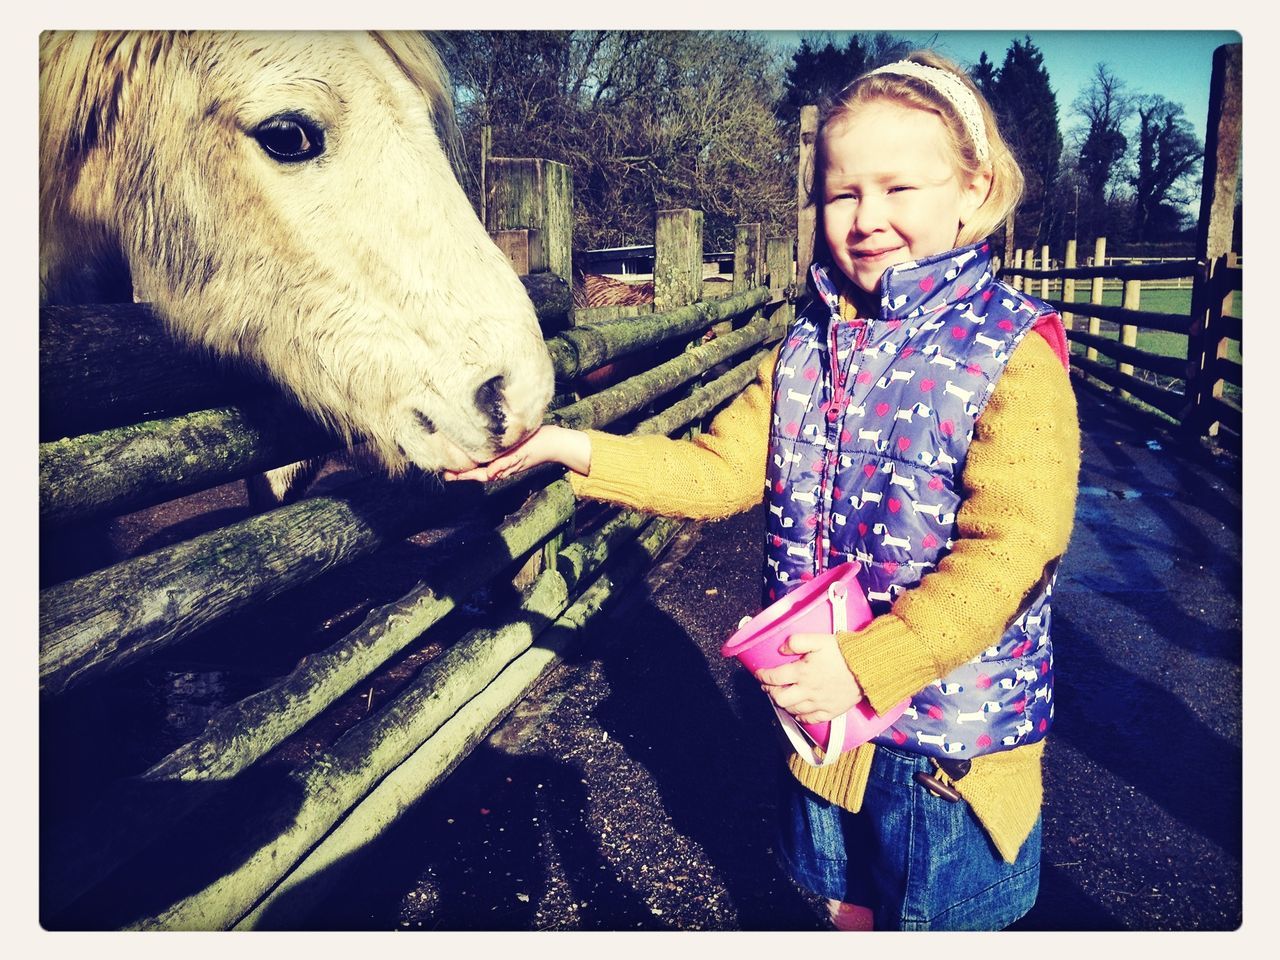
865 461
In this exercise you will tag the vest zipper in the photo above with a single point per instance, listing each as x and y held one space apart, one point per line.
839 400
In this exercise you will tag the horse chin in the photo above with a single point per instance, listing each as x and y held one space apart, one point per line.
432 453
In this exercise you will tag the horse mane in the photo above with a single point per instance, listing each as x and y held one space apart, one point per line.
416 56
83 77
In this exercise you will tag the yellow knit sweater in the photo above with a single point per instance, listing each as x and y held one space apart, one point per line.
1019 488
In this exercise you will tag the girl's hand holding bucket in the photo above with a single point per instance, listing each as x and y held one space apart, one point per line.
790 647
816 688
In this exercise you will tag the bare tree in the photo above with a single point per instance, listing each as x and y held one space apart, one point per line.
645 119
1168 153
1100 143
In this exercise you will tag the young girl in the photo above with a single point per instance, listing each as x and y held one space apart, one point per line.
917 418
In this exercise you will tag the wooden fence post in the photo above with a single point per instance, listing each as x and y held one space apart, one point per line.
1044 265
780 264
528 210
677 259
1095 292
1006 254
1069 283
1128 332
537 194
748 256
748 264
677 264
1213 238
524 248
806 213
1017 269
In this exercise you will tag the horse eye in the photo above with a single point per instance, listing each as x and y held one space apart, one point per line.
290 138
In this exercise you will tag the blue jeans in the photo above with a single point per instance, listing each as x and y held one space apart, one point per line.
918 861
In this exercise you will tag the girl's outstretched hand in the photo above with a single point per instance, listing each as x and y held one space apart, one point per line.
548 444
816 688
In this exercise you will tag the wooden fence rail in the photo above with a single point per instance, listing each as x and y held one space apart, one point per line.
112 617
136 465
1167 270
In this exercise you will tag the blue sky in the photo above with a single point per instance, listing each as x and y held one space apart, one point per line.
1174 63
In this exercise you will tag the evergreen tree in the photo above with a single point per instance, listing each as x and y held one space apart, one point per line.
1028 112
818 72
983 74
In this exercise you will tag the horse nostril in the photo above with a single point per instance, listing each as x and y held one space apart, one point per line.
489 403
427 423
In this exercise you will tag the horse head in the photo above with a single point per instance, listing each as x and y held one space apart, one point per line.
288 200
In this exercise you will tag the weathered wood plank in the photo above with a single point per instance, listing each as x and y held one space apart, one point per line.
126 468
584 316
1132 302
1172 322
632 394
1210 295
524 249
107 364
677 258
748 256
780 264
1068 284
585 347
532 193
1095 293
705 398
113 617
1170 270
806 211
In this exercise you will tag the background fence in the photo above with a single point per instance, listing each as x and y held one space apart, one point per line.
1184 357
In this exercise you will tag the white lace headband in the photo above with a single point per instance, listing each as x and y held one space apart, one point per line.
951 87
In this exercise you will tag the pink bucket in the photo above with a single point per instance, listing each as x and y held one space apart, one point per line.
830 602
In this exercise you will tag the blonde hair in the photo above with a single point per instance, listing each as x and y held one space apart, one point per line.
1006 177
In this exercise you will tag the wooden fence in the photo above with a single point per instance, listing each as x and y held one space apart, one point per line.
1190 387
221 829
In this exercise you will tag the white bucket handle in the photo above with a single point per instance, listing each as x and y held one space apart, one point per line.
809 751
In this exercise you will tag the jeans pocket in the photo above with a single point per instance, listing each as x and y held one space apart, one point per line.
966 884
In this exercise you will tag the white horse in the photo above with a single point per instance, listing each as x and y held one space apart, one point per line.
288 200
